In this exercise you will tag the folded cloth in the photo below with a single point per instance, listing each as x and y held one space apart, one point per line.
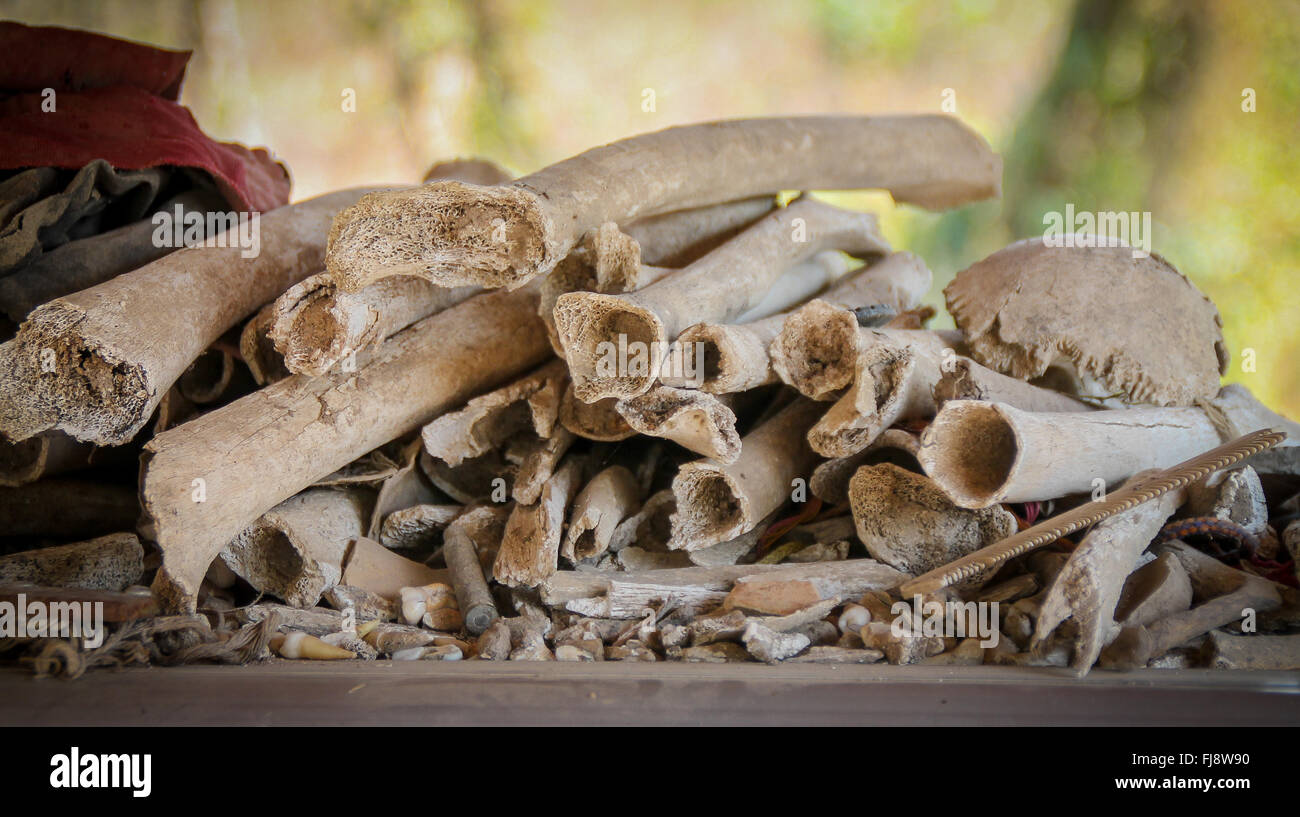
115 100
89 123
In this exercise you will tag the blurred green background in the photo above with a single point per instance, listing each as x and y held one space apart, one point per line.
1106 105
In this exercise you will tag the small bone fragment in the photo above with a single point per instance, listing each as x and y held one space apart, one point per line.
770 646
961 378
301 645
413 526
818 343
109 562
366 606
1156 590
717 502
447 619
1011 590
530 547
695 420
529 404
631 651
969 653
444 231
896 373
906 522
116 348
903 648
494 642
537 465
1264 652
416 601
1134 323
610 497
317 425
718 288
478 530
1237 496
982 454
532 648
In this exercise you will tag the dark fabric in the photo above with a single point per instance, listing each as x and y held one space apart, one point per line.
44 208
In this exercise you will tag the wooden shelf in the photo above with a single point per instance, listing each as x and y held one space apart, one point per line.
670 694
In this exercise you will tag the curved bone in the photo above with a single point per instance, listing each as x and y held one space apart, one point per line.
456 234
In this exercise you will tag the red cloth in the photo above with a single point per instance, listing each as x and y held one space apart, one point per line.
115 101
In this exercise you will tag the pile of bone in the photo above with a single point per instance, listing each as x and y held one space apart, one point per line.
639 405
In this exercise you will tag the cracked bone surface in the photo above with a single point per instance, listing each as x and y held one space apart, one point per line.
456 234
314 325
1134 324
985 453
906 522
717 501
897 370
96 363
817 346
719 287
263 448
695 420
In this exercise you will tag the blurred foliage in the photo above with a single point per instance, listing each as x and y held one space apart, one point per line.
1109 105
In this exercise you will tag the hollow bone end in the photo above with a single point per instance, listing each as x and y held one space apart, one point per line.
710 507
613 348
817 350
971 452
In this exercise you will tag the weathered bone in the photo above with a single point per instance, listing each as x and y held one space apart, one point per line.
695 420
985 453
897 370
456 234
96 363
316 425
718 288
818 344
717 502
